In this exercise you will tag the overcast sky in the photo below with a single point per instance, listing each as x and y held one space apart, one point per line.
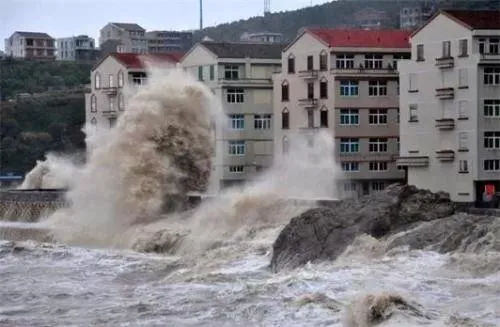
62 18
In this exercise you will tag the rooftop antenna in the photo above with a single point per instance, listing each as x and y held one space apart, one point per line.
267 7
201 15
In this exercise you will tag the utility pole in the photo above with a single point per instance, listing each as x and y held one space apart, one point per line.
201 15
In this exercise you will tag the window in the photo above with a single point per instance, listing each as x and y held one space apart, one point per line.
492 76
462 141
350 166
482 45
349 145
446 49
111 105
420 52
349 88
378 186
378 166
310 118
463 48
112 122
492 140
262 121
344 61
494 46
310 90
377 88
462 78
235 95
120 79
398 145
285 119
236 121
377 145
111 80
323 61
236 148
323 89
462 109
120 102
93 103
93 121
349 187
349 117
97 80
310 63
463 166
377 116
285 94
200 73
236 169
413 113
373 61
231 72
285 144
212 72
491 165
492 108
291 65
413 81
323 117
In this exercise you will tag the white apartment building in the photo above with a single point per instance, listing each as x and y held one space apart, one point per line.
131 37
30 45
109 77
450 105
79 48
240 75
344 81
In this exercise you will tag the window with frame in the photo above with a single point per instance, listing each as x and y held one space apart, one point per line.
446 53
236 148
377 88
398 145
344 61
374 61
310 63
93 103
491 165
237 121
323 89
285 91
412 82
350 166
413 108
494 46
463 166
111 80
323 61
291 65
377 145
212 72
462 109
120 102
377 186
120 79
482 45
463 141
349 88
236 169
377 116
349 145
491 140
285 119
492 76
262 121
97 80
349 117
420 52
491 108
378 166
93 121
200 73
310 118
323 117
462 78
111 105
235 95
231 72
463 46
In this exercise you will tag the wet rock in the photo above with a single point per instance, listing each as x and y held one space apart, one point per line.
324 233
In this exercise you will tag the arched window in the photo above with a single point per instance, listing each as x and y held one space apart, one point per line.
93 121
97 80
93 103
111 80
120 102
120 79
323 88
285 91
291 64
323 61
285 144
323 117
285 119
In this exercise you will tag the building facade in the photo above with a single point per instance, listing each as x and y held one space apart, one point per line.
344 82
109 78
415 16
131 37
450 105
79 48
240 75
263 37
30 45
169 41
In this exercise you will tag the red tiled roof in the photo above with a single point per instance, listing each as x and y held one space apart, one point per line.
358 38
135 60
477 19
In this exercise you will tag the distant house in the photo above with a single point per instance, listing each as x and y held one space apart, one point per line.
131 37
30 45
370 18
262 37
79 48
169 41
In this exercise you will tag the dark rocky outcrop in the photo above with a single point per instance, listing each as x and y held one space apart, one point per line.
324 233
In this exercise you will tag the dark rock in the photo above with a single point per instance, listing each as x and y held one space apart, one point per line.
324 233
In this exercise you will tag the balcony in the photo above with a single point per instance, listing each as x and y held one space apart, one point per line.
413 161
110 113
445 62
388 71
308 74
246 82
445 123
308 103
445 155
489 58
445 93
110 91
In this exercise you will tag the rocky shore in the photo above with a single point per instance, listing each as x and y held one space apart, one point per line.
402 215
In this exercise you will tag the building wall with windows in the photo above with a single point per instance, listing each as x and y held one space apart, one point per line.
30 45
450 105
344 81
132 37
239 74
77 48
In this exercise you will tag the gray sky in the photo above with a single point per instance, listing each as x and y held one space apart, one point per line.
62 18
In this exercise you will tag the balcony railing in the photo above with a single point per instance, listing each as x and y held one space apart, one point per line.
445 123
113 90
445 93
387 70
308 102
413 161
308 74
445 62
445 155
246 81
110 113
489 58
